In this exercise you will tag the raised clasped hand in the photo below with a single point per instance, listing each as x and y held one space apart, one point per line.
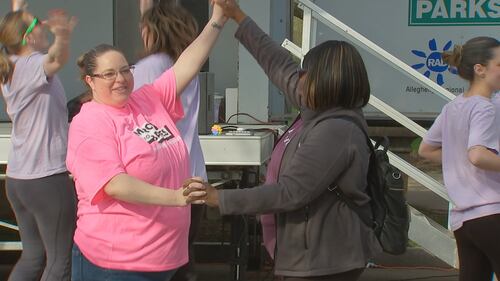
229 7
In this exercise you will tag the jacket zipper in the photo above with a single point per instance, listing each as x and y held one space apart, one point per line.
306 224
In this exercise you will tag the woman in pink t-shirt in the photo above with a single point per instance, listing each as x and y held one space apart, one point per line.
465 137
129 163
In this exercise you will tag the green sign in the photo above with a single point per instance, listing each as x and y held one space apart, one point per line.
454 12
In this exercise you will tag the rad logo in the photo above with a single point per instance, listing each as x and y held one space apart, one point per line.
432 62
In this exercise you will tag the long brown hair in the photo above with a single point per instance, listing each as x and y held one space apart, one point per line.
336 76
170 27
12 28
478 50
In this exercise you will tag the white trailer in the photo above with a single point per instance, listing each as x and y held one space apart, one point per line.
416 32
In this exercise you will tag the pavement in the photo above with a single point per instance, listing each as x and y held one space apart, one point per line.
416 265
221 272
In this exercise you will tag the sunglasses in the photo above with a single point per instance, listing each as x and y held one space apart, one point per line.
30 28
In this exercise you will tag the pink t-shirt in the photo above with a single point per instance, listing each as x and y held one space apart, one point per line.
140 139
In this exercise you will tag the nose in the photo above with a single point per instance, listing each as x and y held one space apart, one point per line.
120 76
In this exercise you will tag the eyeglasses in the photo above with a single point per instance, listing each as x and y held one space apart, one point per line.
112 74
30 28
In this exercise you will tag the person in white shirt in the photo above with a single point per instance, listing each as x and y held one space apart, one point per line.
166 30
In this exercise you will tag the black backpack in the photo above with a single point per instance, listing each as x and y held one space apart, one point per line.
391 217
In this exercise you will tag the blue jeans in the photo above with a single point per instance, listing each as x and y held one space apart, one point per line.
83 270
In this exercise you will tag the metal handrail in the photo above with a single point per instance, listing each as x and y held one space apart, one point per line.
9 226
371 47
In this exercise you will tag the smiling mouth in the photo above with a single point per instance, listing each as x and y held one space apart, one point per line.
120 89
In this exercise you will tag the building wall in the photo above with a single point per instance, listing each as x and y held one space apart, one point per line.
95 26
116 22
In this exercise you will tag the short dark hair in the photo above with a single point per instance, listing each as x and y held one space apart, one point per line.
478 50
336 77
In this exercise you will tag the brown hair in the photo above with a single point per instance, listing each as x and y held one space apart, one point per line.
6 68
87 62
12 28
478 50
171 27
336 76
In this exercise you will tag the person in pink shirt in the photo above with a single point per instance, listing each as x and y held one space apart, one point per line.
129 163
465 137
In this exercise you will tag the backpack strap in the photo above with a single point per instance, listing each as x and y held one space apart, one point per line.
353 206
336 189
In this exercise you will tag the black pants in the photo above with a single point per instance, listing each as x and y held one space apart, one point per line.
351 275
478 248
187 272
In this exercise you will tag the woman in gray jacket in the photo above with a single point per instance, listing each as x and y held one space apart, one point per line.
318 236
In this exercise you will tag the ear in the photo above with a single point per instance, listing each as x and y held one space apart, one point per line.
479 70
90 82
29 39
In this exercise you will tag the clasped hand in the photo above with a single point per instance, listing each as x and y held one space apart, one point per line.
192 188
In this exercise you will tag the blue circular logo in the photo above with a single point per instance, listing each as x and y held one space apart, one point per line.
435 63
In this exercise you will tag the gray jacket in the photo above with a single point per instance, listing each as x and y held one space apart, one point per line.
316 233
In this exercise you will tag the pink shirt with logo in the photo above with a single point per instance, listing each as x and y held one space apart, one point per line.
140 139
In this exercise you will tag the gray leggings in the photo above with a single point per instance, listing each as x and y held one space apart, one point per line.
45 210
